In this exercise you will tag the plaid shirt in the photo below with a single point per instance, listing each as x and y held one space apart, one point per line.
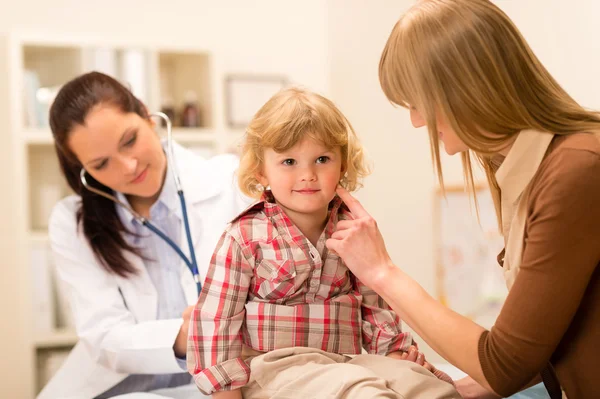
268 287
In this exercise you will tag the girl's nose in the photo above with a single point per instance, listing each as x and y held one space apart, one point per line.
308 174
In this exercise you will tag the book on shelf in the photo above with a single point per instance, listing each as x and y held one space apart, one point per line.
43 292
37 100
33 111
51 307
64 314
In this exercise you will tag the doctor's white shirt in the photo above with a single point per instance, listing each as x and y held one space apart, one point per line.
162 263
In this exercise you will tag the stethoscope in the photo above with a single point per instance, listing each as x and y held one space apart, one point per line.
191 263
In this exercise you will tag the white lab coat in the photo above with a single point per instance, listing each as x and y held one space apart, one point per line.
115 317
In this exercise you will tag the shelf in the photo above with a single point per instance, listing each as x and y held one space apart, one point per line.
38 235
185 74
163 76
38 136
46 184
41 136
56 339
194 135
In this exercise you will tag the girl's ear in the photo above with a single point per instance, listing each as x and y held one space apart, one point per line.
262 179
343 175
344 169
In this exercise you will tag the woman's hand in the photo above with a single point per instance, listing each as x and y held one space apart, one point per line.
360 244
470 389
180 345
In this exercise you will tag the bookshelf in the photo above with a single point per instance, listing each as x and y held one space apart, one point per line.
34 68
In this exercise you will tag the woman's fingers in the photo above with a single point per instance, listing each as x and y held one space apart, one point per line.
344 224
443 376
439 374
429 367
339 235
352 203
360 244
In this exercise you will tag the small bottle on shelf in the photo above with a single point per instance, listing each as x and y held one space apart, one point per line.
190 116
168 108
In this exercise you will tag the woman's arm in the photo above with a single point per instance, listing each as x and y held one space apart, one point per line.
103 321
560 254
468 388
453 336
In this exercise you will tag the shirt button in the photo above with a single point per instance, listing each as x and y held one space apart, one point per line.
314 283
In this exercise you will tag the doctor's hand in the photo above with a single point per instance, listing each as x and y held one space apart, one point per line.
180 346
360 244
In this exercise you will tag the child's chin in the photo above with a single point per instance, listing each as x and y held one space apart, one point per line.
312 208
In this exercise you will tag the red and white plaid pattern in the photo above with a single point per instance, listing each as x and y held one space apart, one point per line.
268 287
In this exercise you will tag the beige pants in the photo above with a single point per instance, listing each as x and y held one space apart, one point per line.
307 373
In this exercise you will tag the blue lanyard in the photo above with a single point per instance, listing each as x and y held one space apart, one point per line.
192 264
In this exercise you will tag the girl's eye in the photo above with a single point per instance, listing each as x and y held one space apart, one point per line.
289 162
323 159
101 165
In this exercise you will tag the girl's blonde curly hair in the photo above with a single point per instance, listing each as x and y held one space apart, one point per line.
290 116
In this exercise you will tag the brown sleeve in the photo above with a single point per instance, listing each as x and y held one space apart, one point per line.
560 254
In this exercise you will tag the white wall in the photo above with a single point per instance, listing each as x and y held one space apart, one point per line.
399 193
267 36
249 36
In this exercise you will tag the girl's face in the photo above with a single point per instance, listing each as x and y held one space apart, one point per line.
302 179
452 143
121 151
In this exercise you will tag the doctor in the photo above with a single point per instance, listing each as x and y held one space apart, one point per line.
128 289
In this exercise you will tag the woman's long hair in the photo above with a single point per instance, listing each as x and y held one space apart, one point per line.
465 60
97 215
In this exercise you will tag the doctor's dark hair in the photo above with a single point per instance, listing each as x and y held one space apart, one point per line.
97 215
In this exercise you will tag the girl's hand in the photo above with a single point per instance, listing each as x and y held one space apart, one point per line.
413 355
360 244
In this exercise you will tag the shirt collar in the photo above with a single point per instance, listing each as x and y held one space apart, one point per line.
271 209
519 167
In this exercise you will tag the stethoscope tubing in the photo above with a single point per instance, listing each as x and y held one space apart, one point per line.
190 262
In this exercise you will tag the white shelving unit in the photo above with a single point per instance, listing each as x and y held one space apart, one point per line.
35 183
186 136
58 338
